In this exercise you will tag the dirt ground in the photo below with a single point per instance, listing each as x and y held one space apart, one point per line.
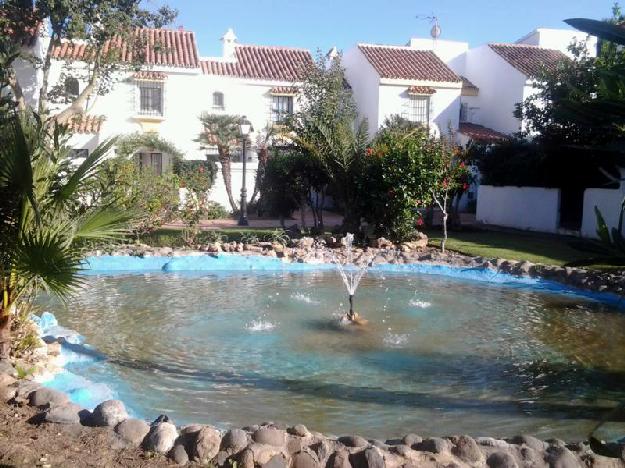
24 443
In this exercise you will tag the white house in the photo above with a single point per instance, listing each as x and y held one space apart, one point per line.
174 86
413 83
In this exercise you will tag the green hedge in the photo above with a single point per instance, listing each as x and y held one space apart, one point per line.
174 237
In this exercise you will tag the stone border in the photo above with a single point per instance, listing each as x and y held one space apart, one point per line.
271 445
326 249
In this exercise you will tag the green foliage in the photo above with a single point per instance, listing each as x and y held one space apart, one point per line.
325 129
46 226
610 249
289 178
128 145
405 171
24 372
176 237
153 199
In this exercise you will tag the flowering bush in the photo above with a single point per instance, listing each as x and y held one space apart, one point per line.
406 170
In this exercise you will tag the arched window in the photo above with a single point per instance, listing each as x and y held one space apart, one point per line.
72 87
218 100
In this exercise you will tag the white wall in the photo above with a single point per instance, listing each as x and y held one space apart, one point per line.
453 53
365 83
501 87
528 208
609 203
560 39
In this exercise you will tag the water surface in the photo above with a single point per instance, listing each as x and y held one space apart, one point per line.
440 355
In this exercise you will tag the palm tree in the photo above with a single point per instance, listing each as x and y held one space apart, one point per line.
222 131
45 229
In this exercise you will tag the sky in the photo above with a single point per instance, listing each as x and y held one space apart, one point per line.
321 24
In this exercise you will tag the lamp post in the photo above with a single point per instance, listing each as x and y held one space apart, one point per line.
245 128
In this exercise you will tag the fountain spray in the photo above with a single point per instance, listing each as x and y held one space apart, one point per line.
351 274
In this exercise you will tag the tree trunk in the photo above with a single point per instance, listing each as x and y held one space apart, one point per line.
6 319
16 88
444 241
43 91
226 172
78 106
262 162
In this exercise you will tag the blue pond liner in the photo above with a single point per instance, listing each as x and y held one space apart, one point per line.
79 358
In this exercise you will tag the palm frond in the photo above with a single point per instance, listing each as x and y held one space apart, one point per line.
84 171
103 224
609 32
46 259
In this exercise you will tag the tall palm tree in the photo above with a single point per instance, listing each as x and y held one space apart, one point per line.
222 131
45 229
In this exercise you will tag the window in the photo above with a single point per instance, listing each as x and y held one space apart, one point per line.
72 88
418 109
281 108
150 98
218 100
77 153
151 161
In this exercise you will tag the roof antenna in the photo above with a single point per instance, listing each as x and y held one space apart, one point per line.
435 32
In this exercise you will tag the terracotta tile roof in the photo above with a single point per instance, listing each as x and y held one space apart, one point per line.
529 59
150 75
166 47
86 123
262 62
407 64
480 133
285 90
421 90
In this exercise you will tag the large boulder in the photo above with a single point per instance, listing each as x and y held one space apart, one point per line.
466 449
206 445
374 458
161 438
47 397
501 460
132 431
305 459
434 445
270 436
277 461
354 441
179 454
63 414
109 413
234 441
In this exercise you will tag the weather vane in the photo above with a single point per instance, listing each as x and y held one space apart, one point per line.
435 32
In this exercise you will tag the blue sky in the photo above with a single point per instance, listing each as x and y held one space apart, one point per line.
321 24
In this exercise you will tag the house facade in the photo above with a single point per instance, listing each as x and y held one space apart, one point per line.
173 87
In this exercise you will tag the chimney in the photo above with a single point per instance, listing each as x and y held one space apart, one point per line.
229 41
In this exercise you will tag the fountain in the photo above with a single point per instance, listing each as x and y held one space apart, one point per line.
352 273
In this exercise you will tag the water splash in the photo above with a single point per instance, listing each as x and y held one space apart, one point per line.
301 297
351 273
396 340
260 325
420 304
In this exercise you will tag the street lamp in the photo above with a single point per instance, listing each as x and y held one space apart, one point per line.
245 128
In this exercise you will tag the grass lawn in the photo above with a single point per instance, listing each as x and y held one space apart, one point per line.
512 245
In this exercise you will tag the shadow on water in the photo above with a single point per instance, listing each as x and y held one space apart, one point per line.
380 396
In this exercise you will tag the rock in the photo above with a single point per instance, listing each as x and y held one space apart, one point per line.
277 461
246 459
340 459
501 460
109 413
7 368
354 441
466 449
561 457
531 442
6 380
63 414
295 444
379 444
179 454
323 449
206 446
47 397
305 460
374 458
24 388
434 445
133 431
402 450
54 349
532 457
490 442
191 429
411 439
382 243
299 430
161 437
305 242
220 458
234 441
270 436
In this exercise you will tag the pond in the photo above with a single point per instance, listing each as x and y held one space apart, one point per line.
440 355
